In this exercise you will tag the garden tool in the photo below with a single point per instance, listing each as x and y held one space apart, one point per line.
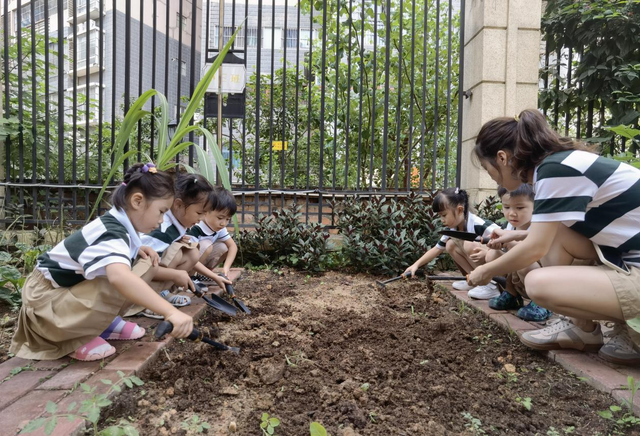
215 301
502 281
235 299
196 335
466 236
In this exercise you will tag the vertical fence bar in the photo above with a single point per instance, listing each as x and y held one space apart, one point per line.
310 80
7 98
152 123
167 61
447 134
408 168
545 76
385 134
556 102
434 163
192 80
114 55
567 115
295 126
74 144
322 106
398 111
140 71
335 101
460 95
100 87
347 144
20 105
284 98
60 106
47 131
423 124
361 98
179 19
127 69
256 161
373 92
88 111
34 113
244 118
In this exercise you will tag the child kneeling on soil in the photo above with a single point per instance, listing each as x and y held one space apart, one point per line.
452 204
73 299
586 207
178 255
517 207
215 242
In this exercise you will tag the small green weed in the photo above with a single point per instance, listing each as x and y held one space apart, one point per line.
474 424
268 425
316 429
525 402
195 425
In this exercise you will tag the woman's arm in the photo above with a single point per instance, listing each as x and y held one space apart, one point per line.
533 248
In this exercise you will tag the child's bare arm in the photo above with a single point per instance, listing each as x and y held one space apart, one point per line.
425 259
231 255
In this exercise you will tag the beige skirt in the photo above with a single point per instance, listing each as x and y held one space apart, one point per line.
165 260
627 289
54 322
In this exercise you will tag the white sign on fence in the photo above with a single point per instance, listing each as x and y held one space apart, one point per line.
234 77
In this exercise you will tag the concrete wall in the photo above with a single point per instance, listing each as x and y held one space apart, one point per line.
501 61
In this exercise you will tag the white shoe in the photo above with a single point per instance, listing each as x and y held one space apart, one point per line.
461 285
484 292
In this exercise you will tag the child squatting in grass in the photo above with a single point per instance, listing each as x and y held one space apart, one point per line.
586 207
73 299
452 204
517 207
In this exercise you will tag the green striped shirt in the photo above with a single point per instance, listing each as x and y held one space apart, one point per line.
202 231
85 254
595 196
161 238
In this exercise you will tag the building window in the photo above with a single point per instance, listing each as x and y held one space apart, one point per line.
26 16
306 38
181 21
292 38
271 35
81 57
252 37
228 33
183 68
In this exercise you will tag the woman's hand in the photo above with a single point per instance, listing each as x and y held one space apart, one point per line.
181 279
182 324
479 277
411 270
478 254
149 253
499 237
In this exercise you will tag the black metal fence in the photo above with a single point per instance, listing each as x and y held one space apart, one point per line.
360 97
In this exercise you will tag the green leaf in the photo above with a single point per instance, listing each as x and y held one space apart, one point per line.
94 414
127 382
50 426
71 406
615 408
136 380
10 273
33 425
270 430
51 407
317 429
4 256
206 425
103 402
274 422
264 424
106 381
117 388
605 414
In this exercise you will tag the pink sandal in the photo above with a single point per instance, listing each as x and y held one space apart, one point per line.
128 332
87 353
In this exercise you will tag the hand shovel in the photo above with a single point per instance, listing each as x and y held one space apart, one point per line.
502 281
465 236
215 301
196 335
235 299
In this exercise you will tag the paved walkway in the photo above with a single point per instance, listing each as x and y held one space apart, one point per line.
27 385
604 376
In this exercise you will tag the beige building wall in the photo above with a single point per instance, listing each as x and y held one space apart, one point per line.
501 61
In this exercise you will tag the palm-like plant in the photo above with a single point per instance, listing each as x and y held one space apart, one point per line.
167 150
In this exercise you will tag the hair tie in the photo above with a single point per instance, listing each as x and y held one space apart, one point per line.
457 190
516 117
124 184
195 180
149 168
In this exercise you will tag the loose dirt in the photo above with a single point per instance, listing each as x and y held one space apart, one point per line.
405 360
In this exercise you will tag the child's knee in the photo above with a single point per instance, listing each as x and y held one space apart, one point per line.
451 246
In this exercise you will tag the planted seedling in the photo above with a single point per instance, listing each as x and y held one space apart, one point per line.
525 402
268 425
195 425
372 416
474 424
316 429
365 387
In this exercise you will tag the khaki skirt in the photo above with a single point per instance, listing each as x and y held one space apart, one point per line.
54 322
165 260
627 289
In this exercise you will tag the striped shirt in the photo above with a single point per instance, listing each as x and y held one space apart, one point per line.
476 225
202 231
169 231
595 196
85 254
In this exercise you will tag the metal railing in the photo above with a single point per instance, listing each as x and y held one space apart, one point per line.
358 98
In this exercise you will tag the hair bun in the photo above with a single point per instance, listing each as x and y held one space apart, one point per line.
131 171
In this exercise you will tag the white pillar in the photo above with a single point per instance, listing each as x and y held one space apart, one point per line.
501 62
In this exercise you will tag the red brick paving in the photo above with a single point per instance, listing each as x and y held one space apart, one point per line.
23 396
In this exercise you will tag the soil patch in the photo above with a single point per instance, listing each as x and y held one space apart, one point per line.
404 360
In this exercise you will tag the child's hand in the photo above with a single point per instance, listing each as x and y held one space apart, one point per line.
411 270
478 254
182 280
182 324
221 281
226 271
149 253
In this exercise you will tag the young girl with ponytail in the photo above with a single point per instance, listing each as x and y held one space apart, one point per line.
587 207
452 204
73 300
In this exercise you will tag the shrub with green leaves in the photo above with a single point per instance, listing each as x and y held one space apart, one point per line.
282 239
385 236
491 209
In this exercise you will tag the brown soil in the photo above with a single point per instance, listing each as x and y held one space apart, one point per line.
405 360
8 320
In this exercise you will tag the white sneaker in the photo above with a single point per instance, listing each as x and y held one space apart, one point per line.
484 292
461 285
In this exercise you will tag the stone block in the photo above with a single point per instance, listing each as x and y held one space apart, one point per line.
18 386
484 13
485 58
526 97
596 373
51 365
527 14
9 365
78 372
528 56
26 409
486 103
509 321
136 358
